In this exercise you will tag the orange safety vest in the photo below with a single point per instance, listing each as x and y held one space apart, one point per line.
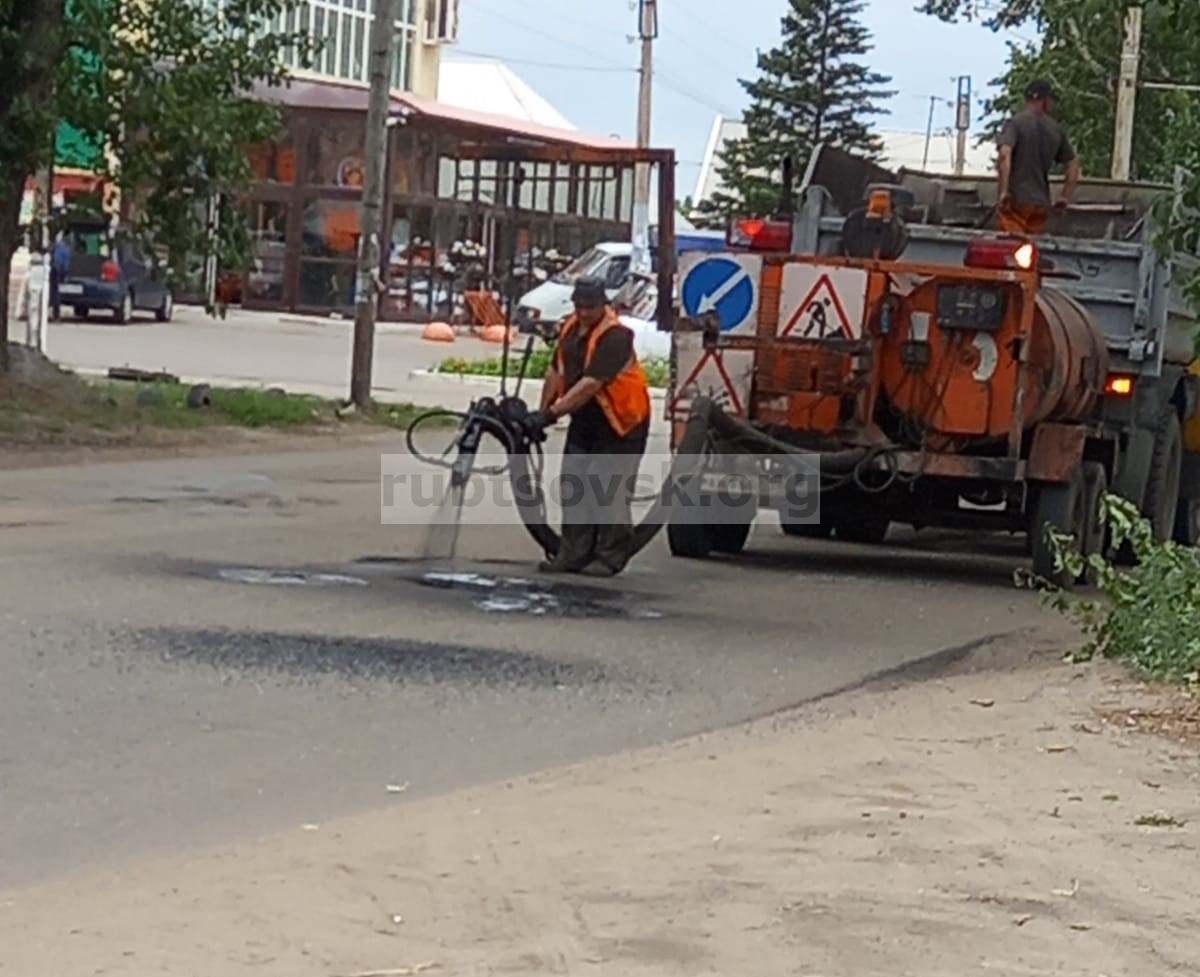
625 399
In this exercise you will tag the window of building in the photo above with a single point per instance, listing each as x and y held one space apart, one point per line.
342 29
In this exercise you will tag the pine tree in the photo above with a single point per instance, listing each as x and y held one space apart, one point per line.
812 88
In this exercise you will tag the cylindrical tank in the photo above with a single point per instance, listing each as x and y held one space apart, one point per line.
1067 347
956 380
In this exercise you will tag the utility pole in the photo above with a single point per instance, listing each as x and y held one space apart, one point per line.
933 100
368 285
962 123
647 32
1122 162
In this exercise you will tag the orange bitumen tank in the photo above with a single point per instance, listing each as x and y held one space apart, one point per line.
951 363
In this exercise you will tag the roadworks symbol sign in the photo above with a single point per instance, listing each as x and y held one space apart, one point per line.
724 376
823 303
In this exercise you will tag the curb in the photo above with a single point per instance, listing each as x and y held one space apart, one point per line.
476 379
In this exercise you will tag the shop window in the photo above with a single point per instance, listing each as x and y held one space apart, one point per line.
447 181
331 230
274 162
627 185
335 154
327 284
543 189
609 207
265 279
562 188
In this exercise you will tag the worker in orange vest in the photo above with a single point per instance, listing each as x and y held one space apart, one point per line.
596 380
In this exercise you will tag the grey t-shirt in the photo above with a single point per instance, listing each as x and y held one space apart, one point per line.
1038 143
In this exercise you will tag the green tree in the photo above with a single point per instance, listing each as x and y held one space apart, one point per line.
813 87
30 45
1079 51
167 88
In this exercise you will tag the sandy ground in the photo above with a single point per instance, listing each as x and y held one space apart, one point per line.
979 823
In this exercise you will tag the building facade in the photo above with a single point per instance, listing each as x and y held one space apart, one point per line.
342 29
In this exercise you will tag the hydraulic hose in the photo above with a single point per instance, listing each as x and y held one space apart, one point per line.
706 423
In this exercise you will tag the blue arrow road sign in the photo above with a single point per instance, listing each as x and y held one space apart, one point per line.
722 286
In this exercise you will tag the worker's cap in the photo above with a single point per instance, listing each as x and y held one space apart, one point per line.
1039 90
589 293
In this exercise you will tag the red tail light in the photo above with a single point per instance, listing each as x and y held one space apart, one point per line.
109 272
998 254
760 235
1119 385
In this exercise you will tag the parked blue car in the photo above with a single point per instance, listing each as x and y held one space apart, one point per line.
108 273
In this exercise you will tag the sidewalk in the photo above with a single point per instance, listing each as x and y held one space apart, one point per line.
985 823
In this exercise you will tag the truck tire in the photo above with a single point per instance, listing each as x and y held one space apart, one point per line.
691 541
1161 503
1096 539
1187 522
808 530
729 537
1059 506
858 526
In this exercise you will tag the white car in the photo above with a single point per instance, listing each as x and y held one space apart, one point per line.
550 303
636 305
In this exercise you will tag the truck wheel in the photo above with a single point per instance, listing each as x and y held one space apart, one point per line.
862 527
1161 503
1187 522
689 540
807 530
1059 506
1095 540
81 311
729 537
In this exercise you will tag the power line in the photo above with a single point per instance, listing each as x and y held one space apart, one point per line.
533 29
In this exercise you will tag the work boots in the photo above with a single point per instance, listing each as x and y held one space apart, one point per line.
574 551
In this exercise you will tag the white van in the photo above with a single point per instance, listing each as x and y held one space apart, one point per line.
550 303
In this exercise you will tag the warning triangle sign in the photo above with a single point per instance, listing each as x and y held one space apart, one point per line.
821 315
710 378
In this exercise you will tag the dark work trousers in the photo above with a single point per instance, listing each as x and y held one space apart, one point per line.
55 302
596 491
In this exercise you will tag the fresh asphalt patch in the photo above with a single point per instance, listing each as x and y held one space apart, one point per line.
402 661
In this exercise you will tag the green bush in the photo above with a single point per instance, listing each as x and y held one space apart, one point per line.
656 368
1149 614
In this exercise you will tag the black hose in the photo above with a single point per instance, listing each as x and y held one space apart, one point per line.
705 420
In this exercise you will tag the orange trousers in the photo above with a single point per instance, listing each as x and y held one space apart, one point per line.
1021 218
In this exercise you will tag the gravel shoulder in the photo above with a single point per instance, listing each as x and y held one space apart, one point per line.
1011 818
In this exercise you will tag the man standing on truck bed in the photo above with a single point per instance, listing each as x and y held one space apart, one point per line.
595 378
1031 143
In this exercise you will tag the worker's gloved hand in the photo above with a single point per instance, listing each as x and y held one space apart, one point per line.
537 422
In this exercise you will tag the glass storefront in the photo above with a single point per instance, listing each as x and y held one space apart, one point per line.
449 222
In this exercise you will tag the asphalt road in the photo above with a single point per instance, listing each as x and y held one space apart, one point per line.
200 650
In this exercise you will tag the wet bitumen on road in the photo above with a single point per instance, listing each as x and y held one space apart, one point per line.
187 671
